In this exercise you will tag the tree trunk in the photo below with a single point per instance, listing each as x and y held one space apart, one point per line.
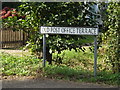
48 56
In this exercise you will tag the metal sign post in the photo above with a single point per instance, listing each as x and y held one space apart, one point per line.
95 56
44 50
70 31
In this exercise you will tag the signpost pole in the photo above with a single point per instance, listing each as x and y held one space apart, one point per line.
44 50
70 31
95 56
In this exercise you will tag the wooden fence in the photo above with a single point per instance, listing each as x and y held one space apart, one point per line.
12 39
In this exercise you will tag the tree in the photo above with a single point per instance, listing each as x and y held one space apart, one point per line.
74 14
10 4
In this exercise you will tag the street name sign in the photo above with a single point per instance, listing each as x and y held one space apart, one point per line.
69 30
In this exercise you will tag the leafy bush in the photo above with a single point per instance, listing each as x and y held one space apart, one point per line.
111 37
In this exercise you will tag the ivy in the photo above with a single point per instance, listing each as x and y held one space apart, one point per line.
112 36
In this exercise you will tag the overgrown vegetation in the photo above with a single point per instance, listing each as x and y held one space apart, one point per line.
76 66
64 72
72 14
68 64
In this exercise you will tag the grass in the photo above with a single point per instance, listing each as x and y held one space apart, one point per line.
88 39
81 75
14 65
84 60
81 66
76 66
64 72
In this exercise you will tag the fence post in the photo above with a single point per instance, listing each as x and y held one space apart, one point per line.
0 27
1 38
23 38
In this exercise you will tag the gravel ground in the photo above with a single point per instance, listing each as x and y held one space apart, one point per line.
15 52
24 82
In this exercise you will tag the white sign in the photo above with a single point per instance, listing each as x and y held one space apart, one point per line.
69 30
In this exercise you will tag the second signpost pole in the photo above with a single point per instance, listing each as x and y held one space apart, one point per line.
95 56
44 50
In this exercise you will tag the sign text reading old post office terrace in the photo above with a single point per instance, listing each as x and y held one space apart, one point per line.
69 30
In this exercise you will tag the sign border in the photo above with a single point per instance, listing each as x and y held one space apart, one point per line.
70 33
